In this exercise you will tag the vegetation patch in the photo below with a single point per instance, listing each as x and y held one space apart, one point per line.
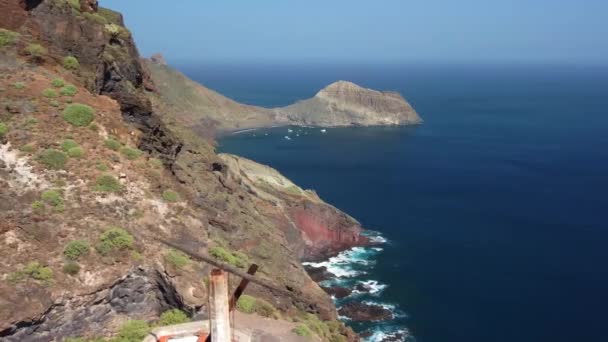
101 166
249 304
114 239
107 183
53 159
76 152
177 259
8 37
38 207
75 249
170 196
33 270
234 258
79 115
54 103
173 316
75 4
67 144
71 268
131 153
112 144
58 83
71 63
68 90
19 85
3 129
95 17
49 93
52 198
302 330
36 51
133 331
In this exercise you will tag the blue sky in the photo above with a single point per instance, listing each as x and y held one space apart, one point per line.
378 31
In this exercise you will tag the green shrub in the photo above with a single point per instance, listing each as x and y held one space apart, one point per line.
71 268
170 196
112 144
114 239
52 198
107 183
246 304
133 331
3 129
34 271
177 259
79 115
113 29
263 308
93 127
75 249
49 93
38 207
53 159
174 316
68 90
76 152
8 37
249 304
58 83
71 63
19 85
67 144
75 4
237 259
131 153
36 50
302 330
95 17
54 103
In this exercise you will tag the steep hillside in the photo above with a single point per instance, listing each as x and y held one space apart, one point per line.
201 108
96 165
339 104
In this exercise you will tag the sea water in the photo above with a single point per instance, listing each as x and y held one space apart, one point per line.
494 210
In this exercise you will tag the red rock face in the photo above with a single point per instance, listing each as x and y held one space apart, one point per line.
13 15
326 230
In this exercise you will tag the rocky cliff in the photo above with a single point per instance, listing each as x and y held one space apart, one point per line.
339 104
96 164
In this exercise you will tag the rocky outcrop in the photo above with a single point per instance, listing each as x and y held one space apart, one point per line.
322 230
362 312
347 104
142 293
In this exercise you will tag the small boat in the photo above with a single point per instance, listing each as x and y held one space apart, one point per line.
289 130
323 130
287 137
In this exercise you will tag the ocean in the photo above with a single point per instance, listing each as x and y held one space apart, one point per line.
494 210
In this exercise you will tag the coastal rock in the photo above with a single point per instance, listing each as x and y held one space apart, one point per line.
346 104
319 274
338 291
365 312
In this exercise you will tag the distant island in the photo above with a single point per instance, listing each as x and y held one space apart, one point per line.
341 103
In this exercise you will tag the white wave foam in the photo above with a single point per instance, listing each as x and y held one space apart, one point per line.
373 286
381 335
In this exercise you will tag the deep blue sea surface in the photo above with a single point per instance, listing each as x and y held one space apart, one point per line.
495 208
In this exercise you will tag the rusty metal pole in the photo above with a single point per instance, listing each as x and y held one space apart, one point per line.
219 313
